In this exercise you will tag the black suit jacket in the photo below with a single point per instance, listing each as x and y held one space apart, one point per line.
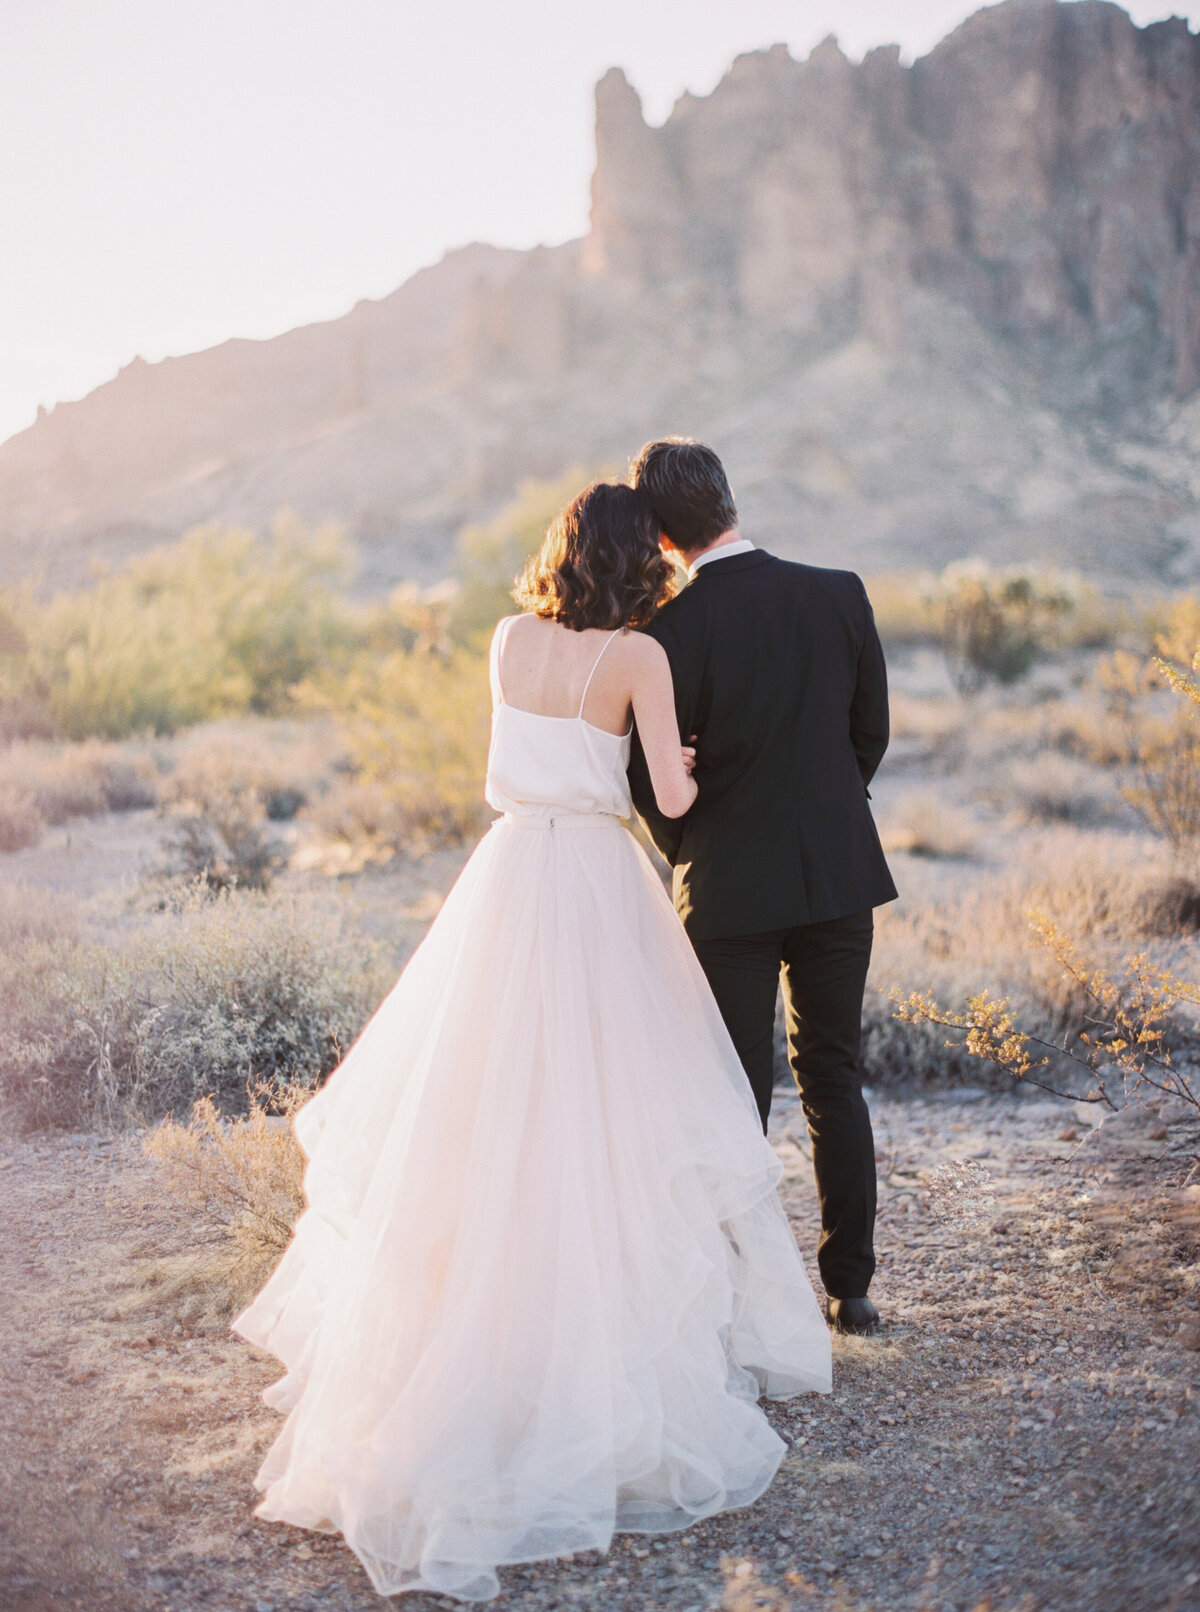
779 672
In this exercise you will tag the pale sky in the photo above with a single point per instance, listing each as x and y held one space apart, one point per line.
174 172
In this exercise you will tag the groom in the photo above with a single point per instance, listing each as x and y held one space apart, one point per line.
780 676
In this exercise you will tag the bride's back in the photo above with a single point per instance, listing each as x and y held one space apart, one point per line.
544 669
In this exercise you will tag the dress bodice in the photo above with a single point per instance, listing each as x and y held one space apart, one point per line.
539 765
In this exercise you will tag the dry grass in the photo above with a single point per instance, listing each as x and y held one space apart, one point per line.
84 780
924 825
243 1180
1054 788
928 718
284 765
21 824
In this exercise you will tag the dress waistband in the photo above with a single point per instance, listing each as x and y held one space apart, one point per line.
550 820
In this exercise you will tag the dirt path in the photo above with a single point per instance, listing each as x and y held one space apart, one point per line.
1024 1435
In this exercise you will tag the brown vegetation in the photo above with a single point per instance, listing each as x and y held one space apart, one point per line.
243 1181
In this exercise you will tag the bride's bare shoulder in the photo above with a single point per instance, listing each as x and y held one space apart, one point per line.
642 654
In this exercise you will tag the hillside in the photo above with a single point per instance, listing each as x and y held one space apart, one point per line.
923 311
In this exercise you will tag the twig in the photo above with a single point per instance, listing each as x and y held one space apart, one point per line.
1095 1289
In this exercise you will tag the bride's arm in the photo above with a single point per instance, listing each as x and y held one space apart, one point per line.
653 700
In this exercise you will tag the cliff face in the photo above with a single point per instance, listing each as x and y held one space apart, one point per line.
923 311
1041 167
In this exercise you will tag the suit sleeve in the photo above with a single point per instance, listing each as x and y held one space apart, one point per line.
666 832
869 725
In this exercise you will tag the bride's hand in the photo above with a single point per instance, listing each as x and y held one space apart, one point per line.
689 758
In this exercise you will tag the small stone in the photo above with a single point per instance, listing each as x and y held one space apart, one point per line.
1000 1228
1157 1133
1188 1336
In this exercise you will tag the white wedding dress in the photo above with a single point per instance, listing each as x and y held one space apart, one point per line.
544 1275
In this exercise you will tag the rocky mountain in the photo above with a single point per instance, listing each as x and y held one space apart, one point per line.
923 311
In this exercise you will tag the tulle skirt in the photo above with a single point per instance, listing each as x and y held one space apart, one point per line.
544 1275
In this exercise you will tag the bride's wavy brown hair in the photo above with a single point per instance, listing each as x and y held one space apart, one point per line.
600 564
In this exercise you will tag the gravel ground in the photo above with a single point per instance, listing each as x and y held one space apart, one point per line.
1025 1434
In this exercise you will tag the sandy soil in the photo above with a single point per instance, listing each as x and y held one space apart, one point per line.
1026 1433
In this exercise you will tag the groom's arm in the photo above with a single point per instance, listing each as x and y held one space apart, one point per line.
869 725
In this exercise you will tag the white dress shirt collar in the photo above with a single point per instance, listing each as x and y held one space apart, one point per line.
723 551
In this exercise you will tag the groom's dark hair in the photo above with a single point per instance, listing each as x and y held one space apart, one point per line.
688 491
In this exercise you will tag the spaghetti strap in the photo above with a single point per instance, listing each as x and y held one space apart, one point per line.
592 673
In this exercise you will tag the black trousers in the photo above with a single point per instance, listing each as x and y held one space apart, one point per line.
824 971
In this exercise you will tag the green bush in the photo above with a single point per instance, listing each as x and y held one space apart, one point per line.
490 555
219 996
994 625
218 622
415 727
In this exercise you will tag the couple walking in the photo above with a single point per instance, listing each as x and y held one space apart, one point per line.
544 1276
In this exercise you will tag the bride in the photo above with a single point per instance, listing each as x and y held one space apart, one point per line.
543 1276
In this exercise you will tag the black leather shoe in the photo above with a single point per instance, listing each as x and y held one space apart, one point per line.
852 1315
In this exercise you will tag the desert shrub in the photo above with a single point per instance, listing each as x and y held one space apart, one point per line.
1161 736
1174 908
228 845
1126 1029
21 823
415 727
1120 1051
954 946
243 1181
128 783
994 625
896 1053
1097 620
219 996
1173 628
217 622
81 780
905 611
490 555
283 764
413 618
925 825
1053 788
